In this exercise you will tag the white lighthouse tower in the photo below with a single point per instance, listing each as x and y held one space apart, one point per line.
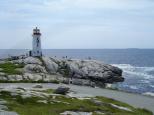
37 51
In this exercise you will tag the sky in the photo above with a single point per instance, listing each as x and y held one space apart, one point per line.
77 24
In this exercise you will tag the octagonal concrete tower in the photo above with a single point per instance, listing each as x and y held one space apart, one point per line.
37 51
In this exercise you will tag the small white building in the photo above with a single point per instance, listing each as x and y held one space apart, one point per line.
37 51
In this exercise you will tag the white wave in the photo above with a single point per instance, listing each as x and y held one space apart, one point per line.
144 81
133 87
149 94
123 66
138 71
128 66
152 86
144 75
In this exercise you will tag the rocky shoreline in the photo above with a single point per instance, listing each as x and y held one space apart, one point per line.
53 70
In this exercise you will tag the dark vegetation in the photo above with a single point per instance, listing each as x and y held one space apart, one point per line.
11 69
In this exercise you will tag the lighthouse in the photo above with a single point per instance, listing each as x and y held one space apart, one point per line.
37 51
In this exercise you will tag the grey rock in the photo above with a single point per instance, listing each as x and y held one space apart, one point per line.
100 112
62 90
38 86
44 69
42 101
121 107
7 113
2 102
76 113
3 107
2 74
97 102
51 66
32 77
34 68
95 70
32 60
14 77
29 60
3 78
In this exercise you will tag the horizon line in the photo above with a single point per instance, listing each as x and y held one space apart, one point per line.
76 48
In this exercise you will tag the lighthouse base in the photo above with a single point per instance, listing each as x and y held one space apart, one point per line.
35 54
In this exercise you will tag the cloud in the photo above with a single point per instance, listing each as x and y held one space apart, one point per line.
69 9
77 20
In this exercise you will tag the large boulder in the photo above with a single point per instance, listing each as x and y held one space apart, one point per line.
37 86
62 90
51 66
95 70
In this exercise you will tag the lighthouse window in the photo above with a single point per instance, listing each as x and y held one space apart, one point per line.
38 42
37 51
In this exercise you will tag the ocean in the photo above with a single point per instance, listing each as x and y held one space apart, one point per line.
137 64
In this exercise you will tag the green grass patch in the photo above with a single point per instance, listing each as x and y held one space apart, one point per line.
110 100
10 68
136 111
59 104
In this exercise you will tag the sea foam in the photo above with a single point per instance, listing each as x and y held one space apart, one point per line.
138 71
137 79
